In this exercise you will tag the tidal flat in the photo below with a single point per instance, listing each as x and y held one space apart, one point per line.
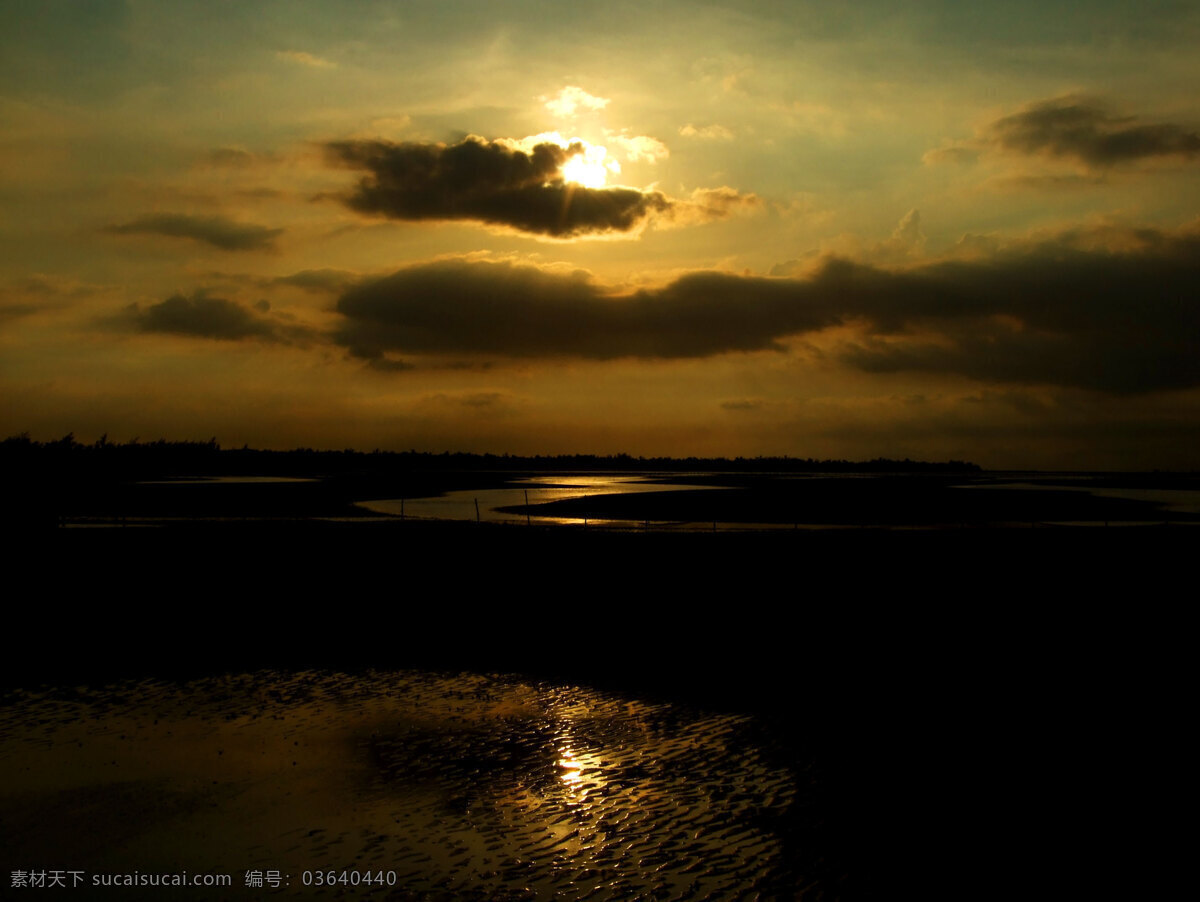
455 786
803 695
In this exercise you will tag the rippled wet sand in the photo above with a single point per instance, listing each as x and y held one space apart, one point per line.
468 787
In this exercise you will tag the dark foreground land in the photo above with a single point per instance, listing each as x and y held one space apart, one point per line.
921 694
935 678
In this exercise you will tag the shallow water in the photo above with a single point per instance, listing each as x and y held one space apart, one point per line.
461 786
539 489
1180 501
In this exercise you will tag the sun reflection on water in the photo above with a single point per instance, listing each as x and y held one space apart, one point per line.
467 784
580 770
506 504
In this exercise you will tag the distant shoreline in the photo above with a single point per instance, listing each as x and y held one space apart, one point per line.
194 457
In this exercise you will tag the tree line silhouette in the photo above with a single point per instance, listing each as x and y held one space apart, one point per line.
163 458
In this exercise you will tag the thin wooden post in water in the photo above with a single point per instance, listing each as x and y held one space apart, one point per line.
476 510
527 523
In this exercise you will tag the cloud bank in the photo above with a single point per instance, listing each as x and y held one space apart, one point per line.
1069 127
459 307
1112 310
1077 130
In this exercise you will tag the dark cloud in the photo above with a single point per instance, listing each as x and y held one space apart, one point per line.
1065 312
376 359
218 231
1069 127
489 182
1114 310
455 307
207 317
999 355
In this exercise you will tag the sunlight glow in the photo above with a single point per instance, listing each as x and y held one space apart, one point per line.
586 168
569 770
578 772
588 165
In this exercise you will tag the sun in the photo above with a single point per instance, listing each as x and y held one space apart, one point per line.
587 164
587 167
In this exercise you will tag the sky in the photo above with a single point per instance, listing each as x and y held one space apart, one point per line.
832 230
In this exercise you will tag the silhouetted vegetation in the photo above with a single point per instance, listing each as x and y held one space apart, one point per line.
164 459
